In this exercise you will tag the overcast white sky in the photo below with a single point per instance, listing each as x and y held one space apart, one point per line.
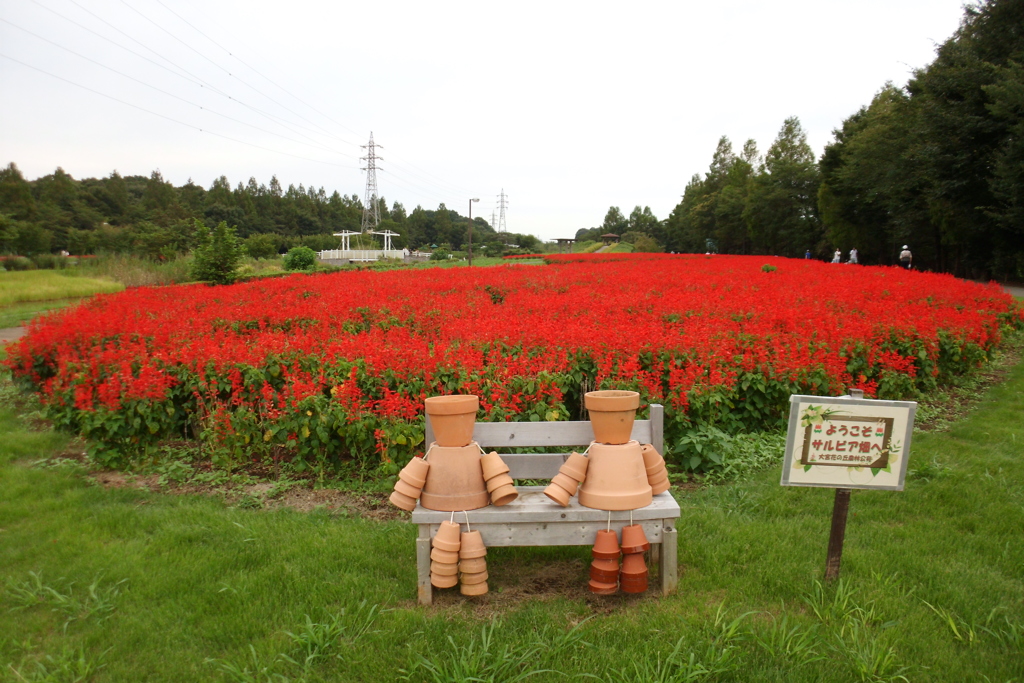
570 107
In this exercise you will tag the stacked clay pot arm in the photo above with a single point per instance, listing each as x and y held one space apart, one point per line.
572 473
410 484
657 473
499 484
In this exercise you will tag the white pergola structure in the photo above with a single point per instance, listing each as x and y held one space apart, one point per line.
387 238
345 238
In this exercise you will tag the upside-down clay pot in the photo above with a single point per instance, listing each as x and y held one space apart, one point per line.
634 540
443 568
612 413
606 547
497 481
407 489
476 577
575 466
616 478
446 556
444 580
604 571
493 465
415 473
403 501
452 418
474 566
556 493
473 588
448 537
456 481
598 588
566 482
504 495
634 576
472 546
654 465
659 485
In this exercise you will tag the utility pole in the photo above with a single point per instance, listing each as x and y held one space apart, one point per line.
502 205
371 210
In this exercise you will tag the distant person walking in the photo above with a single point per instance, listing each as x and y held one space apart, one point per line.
807 254
906 258
837 257
853 256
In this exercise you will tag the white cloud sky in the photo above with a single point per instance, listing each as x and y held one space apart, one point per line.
571 107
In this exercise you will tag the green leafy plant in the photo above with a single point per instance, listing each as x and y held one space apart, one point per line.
216 255
300 258
480 660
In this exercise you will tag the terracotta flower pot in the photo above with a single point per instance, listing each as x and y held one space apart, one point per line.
599 588
616 479
493 465
474 566
612 413
452 418
402 501
472 546
498 481
558 495
633 564
456 481
504 495
444 580
634 585
604 571
606 547
652 457
443 569
566 482
657 473
473 588
446 556
659 485
634 540
477 577
576 467
407 489
415 473
448 537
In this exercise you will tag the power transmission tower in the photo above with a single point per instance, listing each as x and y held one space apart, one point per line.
502 205
493 219
371 210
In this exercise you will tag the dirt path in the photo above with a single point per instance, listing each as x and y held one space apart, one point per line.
9 334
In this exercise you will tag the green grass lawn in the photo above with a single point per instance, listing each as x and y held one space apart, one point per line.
120 584
48 285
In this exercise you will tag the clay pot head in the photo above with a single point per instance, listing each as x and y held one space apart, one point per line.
415 473
557 494
403 501
447 537
634 540
575 466
607 545
452 418
493 465
612 413
504 495
472 546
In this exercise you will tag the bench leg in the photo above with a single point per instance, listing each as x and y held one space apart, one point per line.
669 561
423 588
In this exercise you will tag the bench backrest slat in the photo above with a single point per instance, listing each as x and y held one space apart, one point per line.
551 435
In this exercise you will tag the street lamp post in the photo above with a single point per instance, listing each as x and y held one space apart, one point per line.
471 229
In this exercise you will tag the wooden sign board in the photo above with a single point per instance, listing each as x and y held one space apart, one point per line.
848 443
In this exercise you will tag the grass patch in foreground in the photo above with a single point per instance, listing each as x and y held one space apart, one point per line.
125 585
46 285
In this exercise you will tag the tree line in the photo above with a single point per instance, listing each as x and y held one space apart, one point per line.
937 164
151 217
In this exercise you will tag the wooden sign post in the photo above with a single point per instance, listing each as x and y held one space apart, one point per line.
846 443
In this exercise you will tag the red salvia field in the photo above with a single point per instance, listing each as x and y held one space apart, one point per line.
327 368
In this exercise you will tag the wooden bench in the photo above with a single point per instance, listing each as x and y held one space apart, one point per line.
533 519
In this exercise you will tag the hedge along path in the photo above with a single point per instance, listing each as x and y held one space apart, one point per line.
311 369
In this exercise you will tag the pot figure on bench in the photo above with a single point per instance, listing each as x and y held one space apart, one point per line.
616 475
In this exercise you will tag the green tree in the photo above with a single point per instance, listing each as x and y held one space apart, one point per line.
216 254
300 258
614 222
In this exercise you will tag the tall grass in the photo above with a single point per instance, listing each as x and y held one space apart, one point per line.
45 285
136 271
